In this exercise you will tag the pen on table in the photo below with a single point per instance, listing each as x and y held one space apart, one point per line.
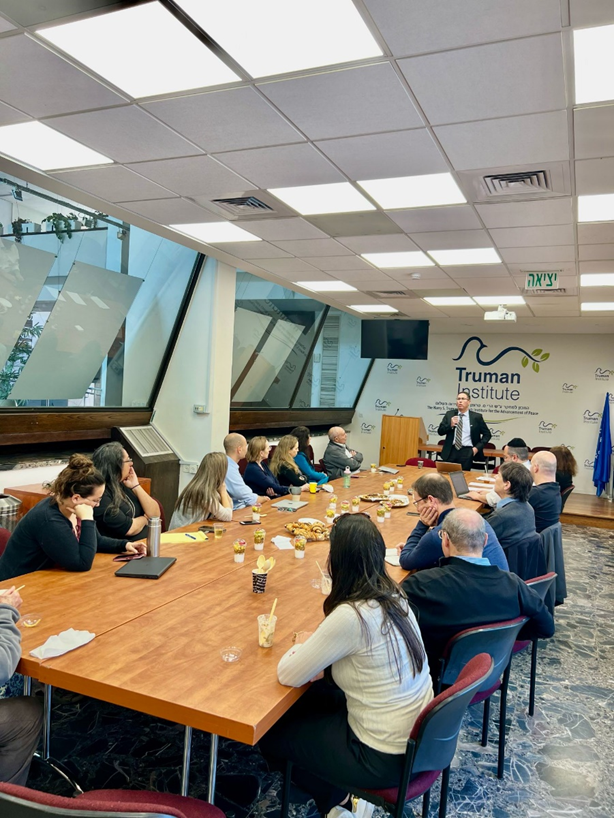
190 536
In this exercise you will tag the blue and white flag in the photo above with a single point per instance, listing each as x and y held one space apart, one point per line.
603 455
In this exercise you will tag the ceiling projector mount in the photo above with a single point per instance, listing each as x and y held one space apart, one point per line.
500 314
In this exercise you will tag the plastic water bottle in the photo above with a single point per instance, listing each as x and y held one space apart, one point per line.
154 529
346 478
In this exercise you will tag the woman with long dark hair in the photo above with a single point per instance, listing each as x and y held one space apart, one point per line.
125 506
60 530
303 460
205 496
354 729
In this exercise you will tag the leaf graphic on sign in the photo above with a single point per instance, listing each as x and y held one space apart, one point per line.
535 366
545 356
525 361
537 352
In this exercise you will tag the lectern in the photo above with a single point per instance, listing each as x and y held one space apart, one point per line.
400 438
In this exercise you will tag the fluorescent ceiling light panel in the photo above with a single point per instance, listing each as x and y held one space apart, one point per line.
431 190
371 308
450 301
597 280
594 63
41 147
476 255
597 306
404 259
215 232
311 200
327 286
279 36
143 50
496 300
598 208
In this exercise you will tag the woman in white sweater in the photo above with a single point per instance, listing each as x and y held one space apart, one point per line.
353 726
205 496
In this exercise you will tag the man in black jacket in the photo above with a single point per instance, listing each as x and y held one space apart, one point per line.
545 496
465 431
466 591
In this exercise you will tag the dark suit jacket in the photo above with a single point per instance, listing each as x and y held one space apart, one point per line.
459 595
480 433
514 525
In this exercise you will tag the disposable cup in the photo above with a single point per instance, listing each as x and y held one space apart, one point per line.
266 630
313 487
218 530
326 584
258 582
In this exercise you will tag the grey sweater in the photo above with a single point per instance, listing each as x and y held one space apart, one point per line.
10 642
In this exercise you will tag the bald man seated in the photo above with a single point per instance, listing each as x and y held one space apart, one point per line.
545 496
337 457
235 446
466 591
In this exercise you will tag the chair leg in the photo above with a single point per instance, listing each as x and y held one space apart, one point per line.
502 719
426 803
443 798
285 796
533 678
485 720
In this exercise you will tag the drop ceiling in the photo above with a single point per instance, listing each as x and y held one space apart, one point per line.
469 88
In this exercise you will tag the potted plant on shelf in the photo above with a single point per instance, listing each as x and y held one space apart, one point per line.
75 221
21 226
59 224
16 362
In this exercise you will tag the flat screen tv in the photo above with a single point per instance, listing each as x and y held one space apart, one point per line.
408 340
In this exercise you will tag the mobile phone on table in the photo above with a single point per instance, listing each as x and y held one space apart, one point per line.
248 522
207 529
128 557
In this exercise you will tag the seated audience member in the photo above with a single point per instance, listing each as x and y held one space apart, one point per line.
433 499
125 506
368 645
545 496
465 591
283 466
60 530
235 446
21 718
566 466
337 456
205 495
258 475
302 434
516 451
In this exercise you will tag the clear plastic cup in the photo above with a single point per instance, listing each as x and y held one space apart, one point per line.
230 653
266 630
218 530
30 620
326 584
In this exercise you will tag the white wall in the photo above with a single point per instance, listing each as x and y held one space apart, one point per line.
561 403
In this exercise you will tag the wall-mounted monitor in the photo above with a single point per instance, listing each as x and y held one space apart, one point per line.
408 340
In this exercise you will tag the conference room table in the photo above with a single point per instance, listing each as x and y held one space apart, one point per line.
157 645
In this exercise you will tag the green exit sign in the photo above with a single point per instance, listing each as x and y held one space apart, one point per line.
542 281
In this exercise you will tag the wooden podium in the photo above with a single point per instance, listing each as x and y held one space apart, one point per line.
400 438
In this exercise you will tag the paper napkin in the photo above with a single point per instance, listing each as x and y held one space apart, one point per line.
62 643
283 543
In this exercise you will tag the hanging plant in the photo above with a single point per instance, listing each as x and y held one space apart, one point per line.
18 230
75 221
60 225
18 358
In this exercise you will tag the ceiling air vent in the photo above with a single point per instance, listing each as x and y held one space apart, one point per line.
531 293
390 293
244 206
518 184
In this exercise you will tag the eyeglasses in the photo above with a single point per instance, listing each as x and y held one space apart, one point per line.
129 460
419 500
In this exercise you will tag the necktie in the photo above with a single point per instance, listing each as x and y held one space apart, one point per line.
458 433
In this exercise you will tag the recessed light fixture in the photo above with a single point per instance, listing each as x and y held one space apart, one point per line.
405 259
597 306
215 232
450 301
496 300
143 50
311 200
594 63
41 147
431 190
327 286
599 208
476 255
597 280
280 36
371 308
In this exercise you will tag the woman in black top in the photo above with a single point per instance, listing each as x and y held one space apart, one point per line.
257 473
125 507
60 530
283 466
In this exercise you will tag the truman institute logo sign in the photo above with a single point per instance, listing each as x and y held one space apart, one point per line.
603 374
570 387
422 381
393 369
367 428
591 417
545 428
381 405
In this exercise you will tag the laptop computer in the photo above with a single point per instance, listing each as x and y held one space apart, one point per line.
445 468
460 485
147 568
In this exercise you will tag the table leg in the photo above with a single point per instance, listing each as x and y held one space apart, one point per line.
47 689
187 752
212 768
27 685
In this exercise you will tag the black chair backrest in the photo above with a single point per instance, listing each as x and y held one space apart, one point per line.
565 495
541 585
526 558
496 639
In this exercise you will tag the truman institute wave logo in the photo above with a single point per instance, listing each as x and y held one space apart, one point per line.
422 381
591 417
603 374
393 369
546 428
381 405
367 428
536 357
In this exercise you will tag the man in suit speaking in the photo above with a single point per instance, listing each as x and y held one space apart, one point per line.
465 431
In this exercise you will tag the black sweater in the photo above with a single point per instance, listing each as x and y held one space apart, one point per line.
546 502
116 524
45 538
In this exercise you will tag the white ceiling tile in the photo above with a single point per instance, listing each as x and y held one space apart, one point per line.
335 263
10 116
5 25
380 156
596 233
416 308
533 236
283 229
419 286
567 268
40 83
370 223
425 274
363 279
397 242
520 255
113 183
527 214
226 120
314 275
569 301
432 219
283 166
596 267
491 286
193 176
452 240
555 311
286 265
170 211
520 140
523 77
596 252
591 12
251 249
594 131
125 134
463 312
476 271
424 25
595 176
345 103
314 247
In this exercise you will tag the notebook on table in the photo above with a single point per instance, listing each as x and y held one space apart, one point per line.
460 485
147 568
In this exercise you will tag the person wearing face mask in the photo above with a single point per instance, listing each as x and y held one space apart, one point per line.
60 530
466 433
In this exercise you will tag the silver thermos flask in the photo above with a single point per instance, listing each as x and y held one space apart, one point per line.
153 537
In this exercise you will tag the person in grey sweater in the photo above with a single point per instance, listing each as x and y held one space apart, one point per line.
21 718
337 456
